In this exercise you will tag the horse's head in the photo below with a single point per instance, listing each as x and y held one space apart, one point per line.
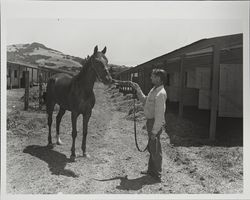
100 65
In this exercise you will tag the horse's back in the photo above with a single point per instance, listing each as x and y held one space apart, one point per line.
58 87
58 81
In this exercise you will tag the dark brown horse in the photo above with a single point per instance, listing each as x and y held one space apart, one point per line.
75 94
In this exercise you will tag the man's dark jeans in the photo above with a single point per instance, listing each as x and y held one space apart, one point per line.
154 148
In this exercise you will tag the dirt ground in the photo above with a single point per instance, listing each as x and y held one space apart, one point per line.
115 164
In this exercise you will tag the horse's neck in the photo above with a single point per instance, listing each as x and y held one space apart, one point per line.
85 80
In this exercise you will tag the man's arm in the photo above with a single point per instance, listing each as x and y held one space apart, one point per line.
141 96
139 92
160 105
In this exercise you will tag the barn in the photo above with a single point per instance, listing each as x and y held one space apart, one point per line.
206 75
16 74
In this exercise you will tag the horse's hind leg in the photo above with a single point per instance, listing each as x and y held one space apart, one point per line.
49 124
58 121
50 108
74 133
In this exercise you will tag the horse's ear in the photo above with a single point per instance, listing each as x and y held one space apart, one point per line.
96 49
104 50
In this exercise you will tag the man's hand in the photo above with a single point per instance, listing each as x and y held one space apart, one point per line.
135 86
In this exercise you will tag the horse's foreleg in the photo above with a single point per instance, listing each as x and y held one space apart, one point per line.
74 133
58 121
49 108
85 132
49 124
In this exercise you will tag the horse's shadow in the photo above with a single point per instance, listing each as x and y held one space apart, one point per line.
132 184
56 161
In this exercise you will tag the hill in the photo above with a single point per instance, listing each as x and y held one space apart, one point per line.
115 69
38 54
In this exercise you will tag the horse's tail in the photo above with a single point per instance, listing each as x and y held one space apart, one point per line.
48 91
44 97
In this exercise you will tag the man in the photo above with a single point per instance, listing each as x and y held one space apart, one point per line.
154 109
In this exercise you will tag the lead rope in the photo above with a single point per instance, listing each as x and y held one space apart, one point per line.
134 97
92 65
136 143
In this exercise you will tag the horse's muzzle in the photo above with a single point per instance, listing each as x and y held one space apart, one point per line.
107 80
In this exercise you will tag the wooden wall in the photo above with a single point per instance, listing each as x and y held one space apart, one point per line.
15 75
197 83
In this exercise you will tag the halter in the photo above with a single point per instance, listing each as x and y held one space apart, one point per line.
92 65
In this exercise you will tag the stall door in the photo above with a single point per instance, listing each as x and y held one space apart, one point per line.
231 90
203 82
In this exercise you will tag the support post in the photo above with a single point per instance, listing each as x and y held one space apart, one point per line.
40 90
165 68
19 76
26 94
10 78
32 83
215 91
181 86
37 75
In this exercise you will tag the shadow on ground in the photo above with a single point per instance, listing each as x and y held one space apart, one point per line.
132 184
192 129
56 161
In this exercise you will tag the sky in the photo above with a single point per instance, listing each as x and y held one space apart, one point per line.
133 32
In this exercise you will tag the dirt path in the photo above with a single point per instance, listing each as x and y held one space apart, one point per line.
115 163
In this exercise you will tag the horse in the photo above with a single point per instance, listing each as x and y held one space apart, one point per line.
75 94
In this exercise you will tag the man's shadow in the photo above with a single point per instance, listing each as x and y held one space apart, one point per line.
56 161
132 184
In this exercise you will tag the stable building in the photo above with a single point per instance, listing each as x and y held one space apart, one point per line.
16 74
207 74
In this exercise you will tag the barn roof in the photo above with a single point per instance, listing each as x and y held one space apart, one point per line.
199 47
37 67
22 64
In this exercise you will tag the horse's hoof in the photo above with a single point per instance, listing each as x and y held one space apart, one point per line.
50 145
85 155
72 158
59 142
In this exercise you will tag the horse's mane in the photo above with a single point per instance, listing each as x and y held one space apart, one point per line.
85 65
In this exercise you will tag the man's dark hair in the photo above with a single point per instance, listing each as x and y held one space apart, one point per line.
161 73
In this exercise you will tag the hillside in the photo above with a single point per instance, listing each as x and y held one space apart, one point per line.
39 54
115 69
